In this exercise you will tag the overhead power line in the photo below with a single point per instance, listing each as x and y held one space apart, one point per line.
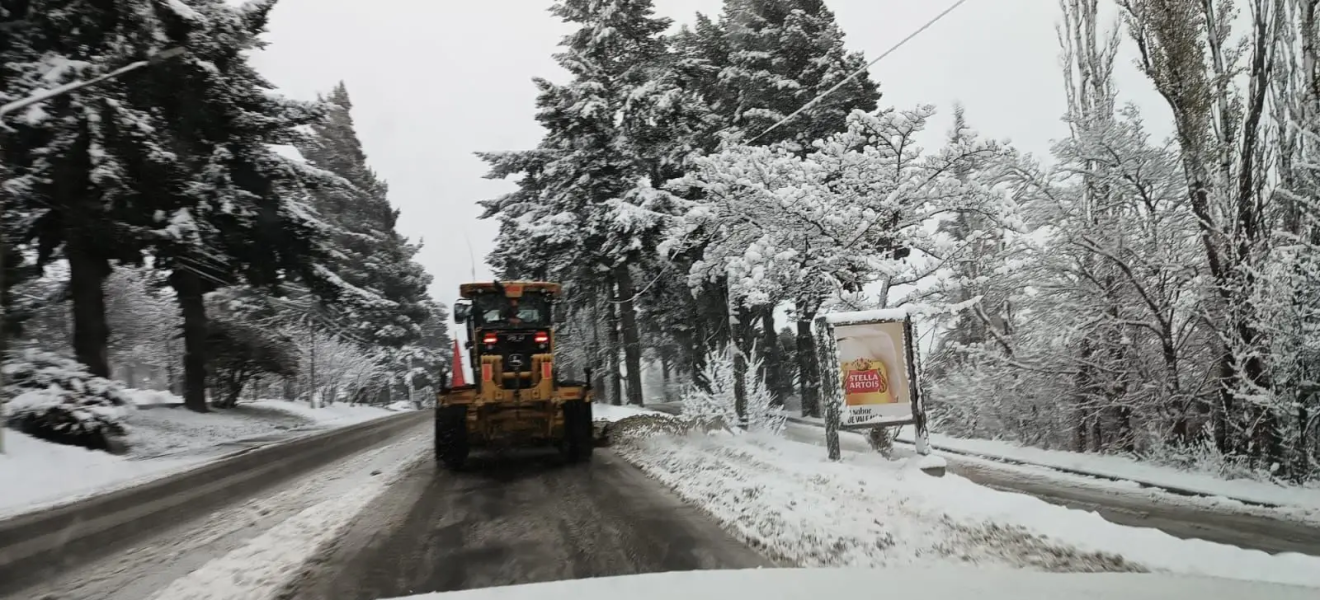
854 74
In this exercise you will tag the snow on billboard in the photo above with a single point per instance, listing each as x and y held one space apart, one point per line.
873 359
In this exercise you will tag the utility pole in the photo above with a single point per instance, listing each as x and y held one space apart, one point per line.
39 97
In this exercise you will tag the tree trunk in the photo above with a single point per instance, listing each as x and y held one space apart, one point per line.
88 270
89 265
591 366
188 288
772 368
808 367
171 370
632 346
741 334
614 382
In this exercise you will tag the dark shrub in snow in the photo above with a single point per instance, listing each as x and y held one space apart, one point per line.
54 398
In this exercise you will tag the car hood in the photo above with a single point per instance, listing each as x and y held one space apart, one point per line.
952 583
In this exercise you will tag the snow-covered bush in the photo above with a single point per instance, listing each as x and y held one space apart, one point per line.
54 398
716 408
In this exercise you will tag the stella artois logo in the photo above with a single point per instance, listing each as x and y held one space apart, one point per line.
864 376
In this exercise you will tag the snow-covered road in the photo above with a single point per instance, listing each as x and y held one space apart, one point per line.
250 550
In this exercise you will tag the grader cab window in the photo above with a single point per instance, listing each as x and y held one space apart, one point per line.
529 310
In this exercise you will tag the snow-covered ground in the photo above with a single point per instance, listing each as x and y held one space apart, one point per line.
162 440
173 431
787 498
1127 468
35 472
608 412
928 584
1297 502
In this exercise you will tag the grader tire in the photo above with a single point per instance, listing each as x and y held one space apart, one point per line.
451 441
579 440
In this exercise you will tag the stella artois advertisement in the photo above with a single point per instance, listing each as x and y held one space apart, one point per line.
873 359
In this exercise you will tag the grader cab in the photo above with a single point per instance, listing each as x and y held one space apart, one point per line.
514 398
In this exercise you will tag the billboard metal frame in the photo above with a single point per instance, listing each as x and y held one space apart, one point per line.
832 386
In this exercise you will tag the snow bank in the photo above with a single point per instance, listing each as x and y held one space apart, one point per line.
168 431
936 584
152 398
864 316
338 414
161 441
1306 499
867 511
172 431
611 413
36 472
1295 502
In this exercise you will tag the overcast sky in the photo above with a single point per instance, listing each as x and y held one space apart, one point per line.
433 81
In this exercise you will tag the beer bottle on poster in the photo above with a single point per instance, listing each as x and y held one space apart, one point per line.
865 372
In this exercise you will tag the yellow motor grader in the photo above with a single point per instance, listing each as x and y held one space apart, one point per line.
514 397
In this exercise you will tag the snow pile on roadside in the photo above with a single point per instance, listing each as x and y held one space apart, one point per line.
161 441
787 499
1306 498
36 472
338 414
608 412
152 398
174 430
165 431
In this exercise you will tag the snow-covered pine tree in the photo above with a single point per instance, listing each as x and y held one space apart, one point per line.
231 210
781 54
371 255
79 166
593 185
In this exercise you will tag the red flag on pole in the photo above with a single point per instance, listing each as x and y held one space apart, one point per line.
458 379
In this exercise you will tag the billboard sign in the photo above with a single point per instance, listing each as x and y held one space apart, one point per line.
873 363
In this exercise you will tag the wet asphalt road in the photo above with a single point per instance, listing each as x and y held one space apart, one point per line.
517 519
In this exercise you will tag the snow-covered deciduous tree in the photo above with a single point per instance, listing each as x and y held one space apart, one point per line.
1192 55
777 226
144 327
714 404
334 370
